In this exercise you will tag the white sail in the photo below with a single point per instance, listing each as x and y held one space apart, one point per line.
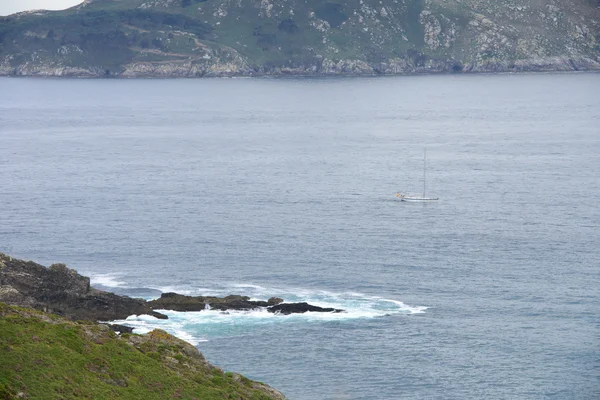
417 198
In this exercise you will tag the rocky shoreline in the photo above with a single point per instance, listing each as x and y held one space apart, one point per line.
51 301
62 291
195 39
328 68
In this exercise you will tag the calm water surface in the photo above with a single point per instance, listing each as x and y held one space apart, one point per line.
285 187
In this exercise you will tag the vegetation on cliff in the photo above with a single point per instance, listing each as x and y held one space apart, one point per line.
233 37
50 348
46 356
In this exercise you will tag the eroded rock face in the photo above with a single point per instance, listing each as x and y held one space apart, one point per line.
63 291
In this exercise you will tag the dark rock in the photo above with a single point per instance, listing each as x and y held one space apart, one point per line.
274 301
299 308
179 302
63 291
120 328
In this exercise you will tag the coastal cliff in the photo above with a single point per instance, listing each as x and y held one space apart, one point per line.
199 38
62 291
53 343
46 356
52 346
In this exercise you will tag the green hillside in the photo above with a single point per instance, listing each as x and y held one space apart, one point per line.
254 37
44 356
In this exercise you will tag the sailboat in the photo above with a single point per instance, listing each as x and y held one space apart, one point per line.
417 198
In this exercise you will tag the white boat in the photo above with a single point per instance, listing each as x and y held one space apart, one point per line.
417 198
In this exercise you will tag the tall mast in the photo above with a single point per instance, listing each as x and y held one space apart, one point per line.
424 169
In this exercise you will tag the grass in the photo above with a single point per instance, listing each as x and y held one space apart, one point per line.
47 357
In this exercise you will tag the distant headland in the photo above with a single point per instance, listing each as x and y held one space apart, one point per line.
196 38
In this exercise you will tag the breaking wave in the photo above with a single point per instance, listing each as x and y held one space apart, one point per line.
196 327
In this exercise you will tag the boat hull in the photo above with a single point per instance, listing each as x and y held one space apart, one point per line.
418 199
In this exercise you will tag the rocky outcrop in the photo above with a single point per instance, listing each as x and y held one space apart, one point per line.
120 328
178 302
339 68
63 291
299 308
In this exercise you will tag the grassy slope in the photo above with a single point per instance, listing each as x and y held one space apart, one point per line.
361 30
44 356
108 38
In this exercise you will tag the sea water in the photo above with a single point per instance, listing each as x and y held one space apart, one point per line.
285 187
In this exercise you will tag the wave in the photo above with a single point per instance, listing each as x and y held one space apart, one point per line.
196 327
107 281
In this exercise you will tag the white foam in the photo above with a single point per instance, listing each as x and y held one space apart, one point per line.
247 285
196 327
413 310
142 324
108 280
183 335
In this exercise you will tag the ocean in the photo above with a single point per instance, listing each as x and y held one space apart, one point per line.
286 187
